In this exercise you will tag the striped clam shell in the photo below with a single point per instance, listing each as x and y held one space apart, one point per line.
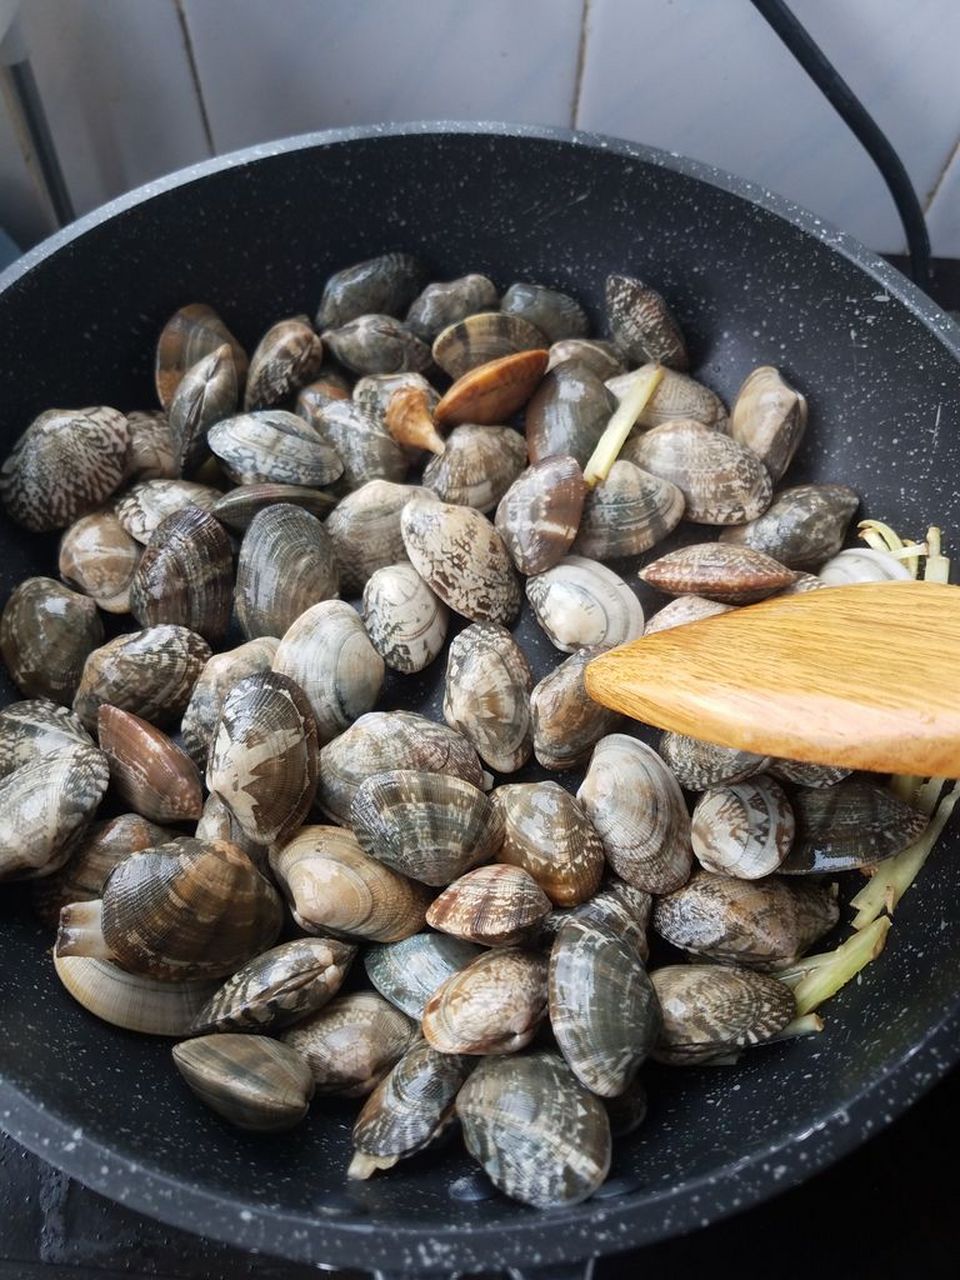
365 530
406 622
190 334
487 695
408 972
496 906
143 506
478 465
855 823
621 908
149 772
386 284
733 575
550 837
698 765
710 1011
37 727
98 557
743 829
580 602
47 632
480 338
539 515
150 454
286 564
150 672
806 775
45 806
218 823
185 575
447 302
567 413
555 314
682 610
208 392
769 417
287 357
237 507
567 724
803 526
492 1005
376 343
352 1042
628 513
676 396
272 446
223 670
641 323
252 1081
365 448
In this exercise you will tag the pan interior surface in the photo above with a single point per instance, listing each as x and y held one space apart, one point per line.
256 238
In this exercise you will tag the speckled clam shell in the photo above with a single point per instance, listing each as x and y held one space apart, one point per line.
769 417
221 672
334 888
271 446
252 1081
36 727
286 564
710 1011
99 558
208 392
406 622
555 314
185 575
743 829
143 506
377 343
237 507
492 392
548 834
431 827
540 1136
676 396
461 557
129 1000
150 453
493 1005
45 806
580 602
641 323
47 633
604 1011
852 824
407 973
567 723
263 758
637 808
803 527
385 740
721 480
698 765
622 910
627 513
487 695
683 610
150 672
447 302
149 772
189 335
327 652
218 823
763 924
66 463
287 357
387 283
365 530
352 1042
477 467
496 906
567 413
480 338
278 987
806 775
732 575
539 515
601 358
366 449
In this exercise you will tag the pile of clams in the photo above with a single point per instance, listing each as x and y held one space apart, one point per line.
314 894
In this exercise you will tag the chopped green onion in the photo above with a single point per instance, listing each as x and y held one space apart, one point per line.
808 1025
842 964
881 537
621 424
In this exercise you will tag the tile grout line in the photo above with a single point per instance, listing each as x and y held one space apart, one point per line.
195 75
581 62
934 191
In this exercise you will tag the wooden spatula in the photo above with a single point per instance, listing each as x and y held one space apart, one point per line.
866 676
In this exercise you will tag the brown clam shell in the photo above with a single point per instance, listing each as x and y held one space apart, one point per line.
352 1042
480 339
641 323
493 1005
271 446
150 773
496 906
185 575
365 447
769 417
286 564
733 575
376 343
98 557
47 632
567 413
45 806
364 530
207 392
492 392
478 465
803 526
683 610
142 507
567 723
409 420
446 302
539 515
150 672
190 334
37 727
548 834
698 765
743 829
855 823
386 283
627 513
150 454
287 357
710 1011
487 695
252 1081
202 714
237 507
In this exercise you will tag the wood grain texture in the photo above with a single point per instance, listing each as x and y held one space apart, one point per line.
866 676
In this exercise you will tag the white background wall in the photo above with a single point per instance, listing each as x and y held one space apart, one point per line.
135 88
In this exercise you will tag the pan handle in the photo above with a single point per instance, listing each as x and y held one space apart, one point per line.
582 1270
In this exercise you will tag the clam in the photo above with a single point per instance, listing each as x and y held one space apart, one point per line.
334 888
604 1011
143 506
721 480
407 973
629 512
478 339
385 740
252 1081
732 575
580 602
190 334
183 910
406 622
208 392
218 823
539 515
263 758
855 823
237 507
493 1005
541 1137
352 1042
862 564
66 463
743 829
804 582
286 564
601 358
763 924
47 633
447 302
806 775
641 323
278 987
430 826
99 558
628 1110
221 672
555 314
803 527
698 765
386 283
45 806
130 1000
477 467
620 909
287 357
37 727
682 610
327 652
150 672
366 449
487 695
150 453
409 419
494 391
365 530
769 417
150 773
376 392
271 446
461 557
551 838
637 808
330 385
568 413
710 1011
676 396
376 343
567 723
496 906
408 1108
185 575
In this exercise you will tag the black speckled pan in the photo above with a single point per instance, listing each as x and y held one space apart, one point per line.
752 280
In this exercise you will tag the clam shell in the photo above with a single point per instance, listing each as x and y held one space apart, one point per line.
733 575
150 773
627 513
698 765
493 1005
492 392
263 759
47 633
142 508
130 1000
286 564
461 557
769 417
376 343
480 338
683 610
409 419
496 906
365 530
386 284
641 323
621 909
45 806
555 314
375 392
252 1081
287 357
208 392
185 575
406 622
99 558
743 829
567 723
710 1011
352 1042
802 583
803 527
580 602
676 396
407 973
601 358
366 449
567 413
190 334
806 775
763 924
852 824
271 446
540 1136
150 453
218 823
334 888
551 838
447 302
237 508
637 808
332 384
628 1111
477 467
150 672
487 695
539 514
36 727
206 701
67 462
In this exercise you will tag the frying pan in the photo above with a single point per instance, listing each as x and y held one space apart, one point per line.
753 280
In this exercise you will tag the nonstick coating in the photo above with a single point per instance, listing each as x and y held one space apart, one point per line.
753 280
